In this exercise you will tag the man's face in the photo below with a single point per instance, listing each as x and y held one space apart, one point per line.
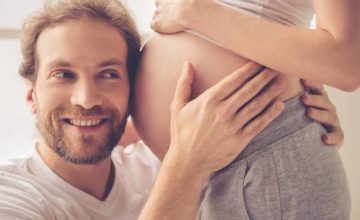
81 93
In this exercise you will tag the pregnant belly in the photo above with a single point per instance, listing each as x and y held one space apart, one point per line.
161 63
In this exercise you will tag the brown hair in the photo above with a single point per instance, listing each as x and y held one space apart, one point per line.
109 11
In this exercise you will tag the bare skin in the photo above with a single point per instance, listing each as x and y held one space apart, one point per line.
330 52
155 85
320 108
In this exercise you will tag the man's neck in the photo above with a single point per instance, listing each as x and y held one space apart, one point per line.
96 180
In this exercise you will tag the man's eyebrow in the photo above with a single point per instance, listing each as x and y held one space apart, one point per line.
64 63
58 63
112 62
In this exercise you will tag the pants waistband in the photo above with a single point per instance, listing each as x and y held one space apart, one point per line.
292 119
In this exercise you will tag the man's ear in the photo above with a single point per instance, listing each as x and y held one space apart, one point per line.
30 96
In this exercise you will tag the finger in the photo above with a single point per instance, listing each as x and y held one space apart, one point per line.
183 87
156 20
262 121
334 138
155 24
315 87
249 91
323 116
257 105
317 101
235 80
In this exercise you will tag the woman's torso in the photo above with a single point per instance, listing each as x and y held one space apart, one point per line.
161 63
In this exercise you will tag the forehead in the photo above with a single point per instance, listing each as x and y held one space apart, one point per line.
81 41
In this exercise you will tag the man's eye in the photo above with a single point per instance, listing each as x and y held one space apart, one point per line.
110 75
63 74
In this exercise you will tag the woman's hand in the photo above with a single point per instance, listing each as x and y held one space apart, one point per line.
172 16
167 15
322 110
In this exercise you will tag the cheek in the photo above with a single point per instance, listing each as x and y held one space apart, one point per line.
48 99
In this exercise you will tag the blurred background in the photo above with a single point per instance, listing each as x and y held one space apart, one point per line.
17 130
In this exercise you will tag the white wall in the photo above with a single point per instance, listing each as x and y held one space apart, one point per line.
17 125
348 107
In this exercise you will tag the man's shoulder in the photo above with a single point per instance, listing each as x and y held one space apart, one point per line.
15 178
18 195
18 203
17 182
19 163
13 169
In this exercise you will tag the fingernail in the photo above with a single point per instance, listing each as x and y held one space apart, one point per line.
306 98
311 112
256 65
280 84
279 106
271 73
186 68
186 64
327 138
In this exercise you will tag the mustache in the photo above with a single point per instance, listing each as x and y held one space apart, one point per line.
80 111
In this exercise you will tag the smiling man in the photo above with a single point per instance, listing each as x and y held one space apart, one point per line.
79 115
79 60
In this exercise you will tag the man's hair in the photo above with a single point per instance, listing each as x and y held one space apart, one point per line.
110 11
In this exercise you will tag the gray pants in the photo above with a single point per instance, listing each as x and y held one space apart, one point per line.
286 172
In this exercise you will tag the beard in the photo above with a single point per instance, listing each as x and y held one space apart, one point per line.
51 127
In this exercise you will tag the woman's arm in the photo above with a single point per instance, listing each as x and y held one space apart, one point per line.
329 54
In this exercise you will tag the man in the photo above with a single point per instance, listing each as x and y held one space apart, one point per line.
78 62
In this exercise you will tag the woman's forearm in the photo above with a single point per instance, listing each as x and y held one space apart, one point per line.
311 54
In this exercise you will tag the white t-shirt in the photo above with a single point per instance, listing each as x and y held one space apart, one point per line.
29 189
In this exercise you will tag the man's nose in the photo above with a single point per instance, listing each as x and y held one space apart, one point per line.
86 95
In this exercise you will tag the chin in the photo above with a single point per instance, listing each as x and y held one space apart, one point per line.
85 152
